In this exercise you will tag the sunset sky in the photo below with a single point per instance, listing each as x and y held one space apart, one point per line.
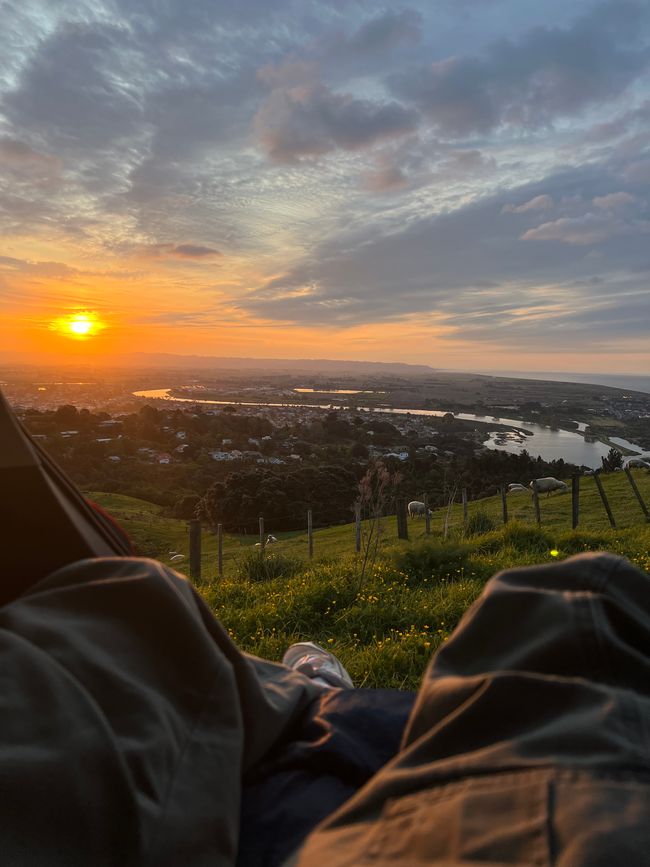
461 183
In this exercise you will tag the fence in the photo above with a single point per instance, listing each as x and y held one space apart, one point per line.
504 509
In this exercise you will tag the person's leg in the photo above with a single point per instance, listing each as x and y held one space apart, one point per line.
127 720
528 742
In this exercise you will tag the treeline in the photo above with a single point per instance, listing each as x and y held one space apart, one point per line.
283 498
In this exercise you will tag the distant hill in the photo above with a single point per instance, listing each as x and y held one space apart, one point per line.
170 361
277 365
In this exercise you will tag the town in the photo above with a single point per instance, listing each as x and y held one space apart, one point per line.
279 446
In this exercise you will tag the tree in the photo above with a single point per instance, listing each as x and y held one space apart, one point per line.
282 498
66 415
613 461
185 507
360 451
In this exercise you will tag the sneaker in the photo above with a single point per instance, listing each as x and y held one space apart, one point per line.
313 660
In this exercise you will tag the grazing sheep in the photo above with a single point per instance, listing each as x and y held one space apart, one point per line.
634 461
516 488
271 540
548 484
416 509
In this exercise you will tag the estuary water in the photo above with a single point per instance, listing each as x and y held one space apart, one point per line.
537 439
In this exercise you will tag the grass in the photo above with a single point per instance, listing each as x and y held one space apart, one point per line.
385 625
155 535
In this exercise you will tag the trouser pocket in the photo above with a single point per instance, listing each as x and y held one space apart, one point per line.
498 820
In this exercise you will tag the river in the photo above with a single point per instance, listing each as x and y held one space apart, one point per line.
549 444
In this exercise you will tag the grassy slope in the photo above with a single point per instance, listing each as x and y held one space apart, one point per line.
385 624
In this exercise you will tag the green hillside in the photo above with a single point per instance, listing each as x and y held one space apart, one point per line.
384 624
156 535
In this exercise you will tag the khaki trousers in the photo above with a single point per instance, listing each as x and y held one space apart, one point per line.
529 742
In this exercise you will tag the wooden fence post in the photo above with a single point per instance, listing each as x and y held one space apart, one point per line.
357 527
538 514
402 523
195 549
637 493
575 500
445 531
310 534
603 497
464 498
504 504
220 549
427 516
261 535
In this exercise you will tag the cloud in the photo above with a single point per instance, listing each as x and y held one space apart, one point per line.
18 155
589 229
637 172
614 201
311 120
178 251
289 73
384 179
468 266
392 28
539 203
77 87
376 36
465 161
375 42
193 251
547 73
620 125
55 270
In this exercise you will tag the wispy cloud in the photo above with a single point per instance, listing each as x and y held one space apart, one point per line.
178 251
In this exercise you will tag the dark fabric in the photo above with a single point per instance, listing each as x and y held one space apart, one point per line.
127 721
343 740
529 743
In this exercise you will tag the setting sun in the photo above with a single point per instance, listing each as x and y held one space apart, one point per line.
80 326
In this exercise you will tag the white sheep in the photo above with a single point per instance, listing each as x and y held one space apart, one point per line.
416 509
548 484
634 461
516 488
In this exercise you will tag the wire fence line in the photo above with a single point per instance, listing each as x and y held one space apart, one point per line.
457 514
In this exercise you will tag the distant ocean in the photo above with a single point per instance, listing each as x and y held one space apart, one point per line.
616 380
